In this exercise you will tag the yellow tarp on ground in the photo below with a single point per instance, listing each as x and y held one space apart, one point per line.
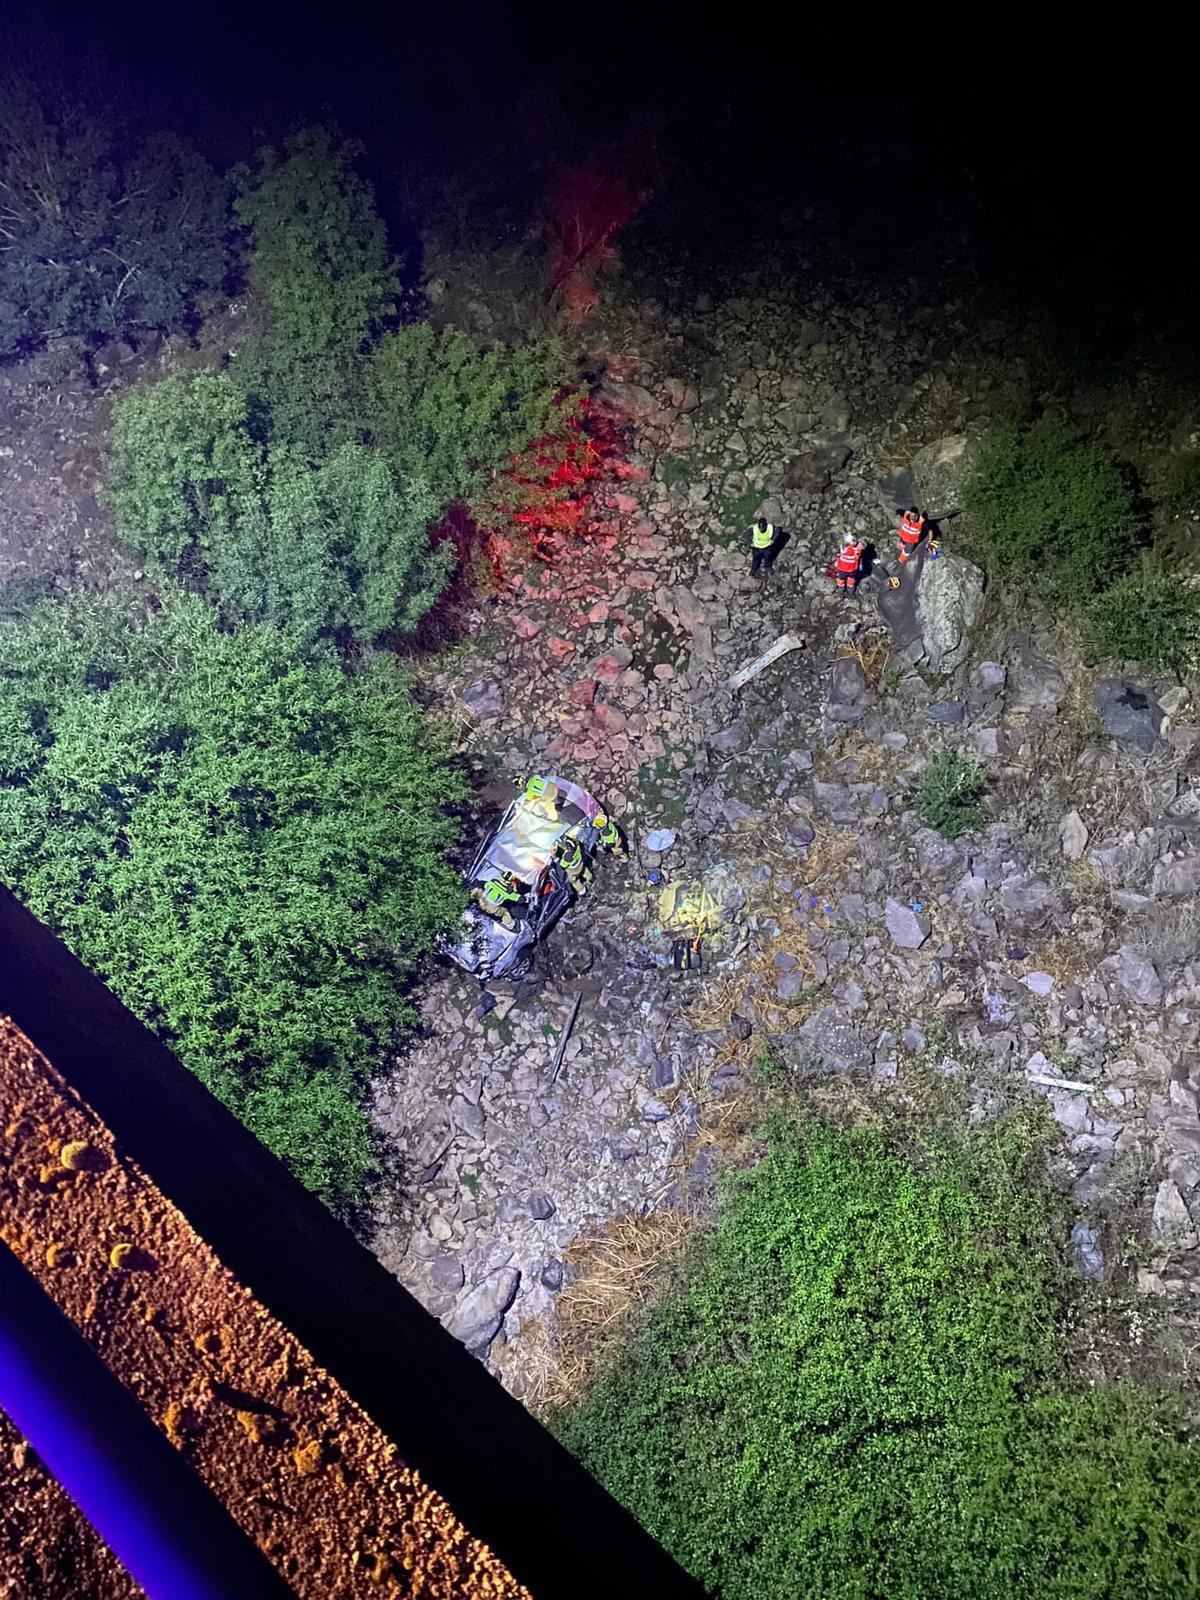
689 909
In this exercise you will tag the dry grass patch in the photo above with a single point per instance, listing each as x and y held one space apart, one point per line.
622 1269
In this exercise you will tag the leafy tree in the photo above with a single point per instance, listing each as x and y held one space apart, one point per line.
320 266
1152 614
859 1390
267 535
99 234
246 845
440 407
1052 510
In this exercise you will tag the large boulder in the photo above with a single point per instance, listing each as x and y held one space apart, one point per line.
948 600
1035 683
940 470
1130 714
815 470
478 1316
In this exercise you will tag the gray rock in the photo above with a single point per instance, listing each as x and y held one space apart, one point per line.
1130 714
1034 683
940 471
432 1137
1028 901
907 927
1171 1221
800 834
479 1315
468 1119
831 1040
552 1276
654 1111
1070 1111
814 471
846 682
1136 975
1085 1246
948 600
913 1040
789 985
1072 836
947 711
660 840
1039 983
936 857
666 1073
541 1207
446 1274
730 740
485 699
896 492
989 677
1175 879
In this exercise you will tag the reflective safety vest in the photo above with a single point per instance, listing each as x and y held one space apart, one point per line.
570 859
762 538
849 556
535 788
609 835
496 893
911 529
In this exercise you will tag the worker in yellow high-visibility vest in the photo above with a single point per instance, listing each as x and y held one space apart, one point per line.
762 546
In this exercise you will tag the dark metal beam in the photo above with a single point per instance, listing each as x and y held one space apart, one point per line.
509 1482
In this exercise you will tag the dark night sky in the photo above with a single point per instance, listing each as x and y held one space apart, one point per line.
1064 160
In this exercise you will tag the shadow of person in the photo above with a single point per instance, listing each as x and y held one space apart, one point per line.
778 545
869 558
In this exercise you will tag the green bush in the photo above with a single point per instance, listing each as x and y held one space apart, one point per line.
101 231
949 794
1051 510
1181 483
247 846
1152 614
859 1391
441 408
319 266
185 474
268 536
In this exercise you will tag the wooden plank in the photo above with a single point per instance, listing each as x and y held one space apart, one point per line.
781 647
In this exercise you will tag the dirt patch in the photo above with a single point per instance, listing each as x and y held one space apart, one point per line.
46 1547
53 527
304 1472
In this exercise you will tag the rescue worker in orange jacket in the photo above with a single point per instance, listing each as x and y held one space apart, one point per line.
848 565
910 532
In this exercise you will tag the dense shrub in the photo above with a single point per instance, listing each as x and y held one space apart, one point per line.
950 792
1181 483
859 1391
441 408
320 268
247 847
1052 510
268 535
100 231
1152 614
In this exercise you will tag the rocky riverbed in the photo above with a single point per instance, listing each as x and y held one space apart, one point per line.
1055 951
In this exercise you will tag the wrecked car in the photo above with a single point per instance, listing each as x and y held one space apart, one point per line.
519 870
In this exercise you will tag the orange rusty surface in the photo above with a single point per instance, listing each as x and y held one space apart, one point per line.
303 1470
